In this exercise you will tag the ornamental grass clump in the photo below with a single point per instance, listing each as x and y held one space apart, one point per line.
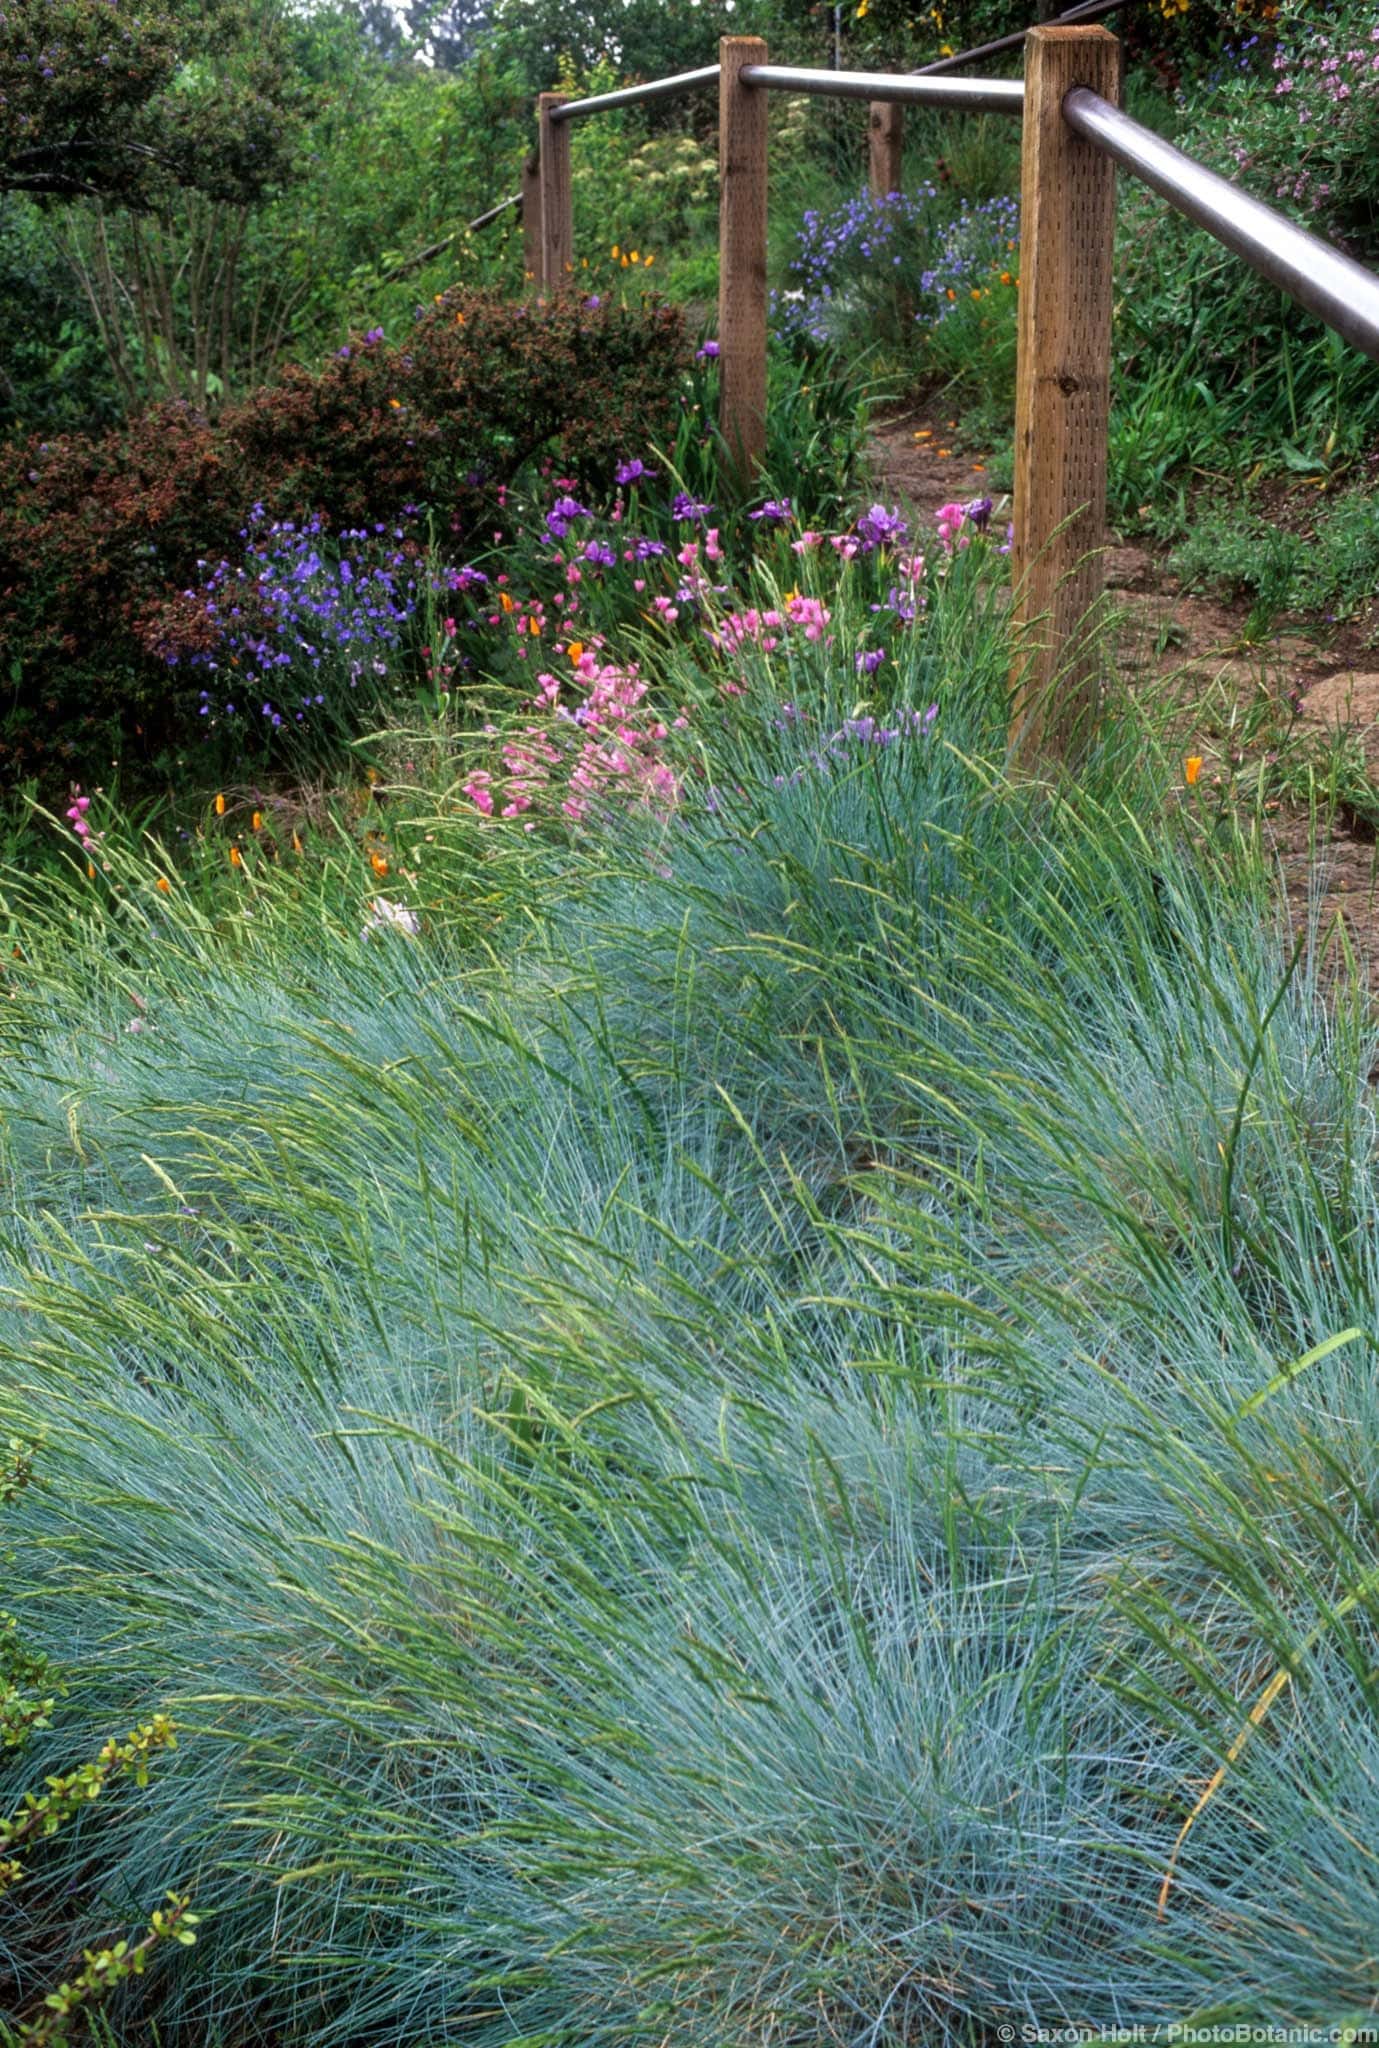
754 1430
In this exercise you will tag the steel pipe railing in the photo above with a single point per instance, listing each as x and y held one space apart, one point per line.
972 95
496 212
634 95
1334 287
1074 17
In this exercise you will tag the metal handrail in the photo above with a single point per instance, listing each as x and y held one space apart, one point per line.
1073 17
633 95
515 199
1334 287
976 95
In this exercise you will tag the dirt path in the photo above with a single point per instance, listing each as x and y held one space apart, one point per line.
1295 703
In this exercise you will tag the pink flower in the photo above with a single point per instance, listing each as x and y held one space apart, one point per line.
712 551
478 791
810 613
806 542
951 520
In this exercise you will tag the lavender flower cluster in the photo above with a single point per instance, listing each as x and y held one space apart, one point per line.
846 253
301 612
980 242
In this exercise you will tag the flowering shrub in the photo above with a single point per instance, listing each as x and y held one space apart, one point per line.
879 266
300 621
100 536
854 267
1315 136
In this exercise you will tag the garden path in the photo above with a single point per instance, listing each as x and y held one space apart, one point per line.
1304 692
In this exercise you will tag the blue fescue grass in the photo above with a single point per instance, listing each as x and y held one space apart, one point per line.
709 1449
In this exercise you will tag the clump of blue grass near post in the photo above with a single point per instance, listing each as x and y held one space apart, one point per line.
688 1195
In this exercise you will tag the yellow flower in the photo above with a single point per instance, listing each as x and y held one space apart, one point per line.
615 252
236 857
647 262
633 256
1192 768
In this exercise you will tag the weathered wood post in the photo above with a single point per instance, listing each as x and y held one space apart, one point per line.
531 218
885 146
742 129
1067 222
557 203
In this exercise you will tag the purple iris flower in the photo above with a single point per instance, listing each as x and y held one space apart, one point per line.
868 664
775 512
707 352
634 472
599 552
684 507
562 513
979 512
879 528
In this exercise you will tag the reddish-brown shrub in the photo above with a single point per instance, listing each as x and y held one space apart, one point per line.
99 536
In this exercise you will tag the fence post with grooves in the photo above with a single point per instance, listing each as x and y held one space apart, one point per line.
742 128
557 205
531 218
885 146
1067 221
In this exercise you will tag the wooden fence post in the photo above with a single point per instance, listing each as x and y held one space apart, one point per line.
531 218
885 146
557 203
742 128
1067 222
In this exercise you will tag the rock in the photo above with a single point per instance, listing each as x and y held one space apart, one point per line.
1344 699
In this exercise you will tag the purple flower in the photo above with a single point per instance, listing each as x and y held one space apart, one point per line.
562 513
466 578
375 334
707 352
684 507
879 528
869 663
599 552
634 472
775 512
979 513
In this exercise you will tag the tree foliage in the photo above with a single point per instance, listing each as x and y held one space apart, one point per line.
97 101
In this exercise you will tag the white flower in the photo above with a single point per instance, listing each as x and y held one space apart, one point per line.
387 916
